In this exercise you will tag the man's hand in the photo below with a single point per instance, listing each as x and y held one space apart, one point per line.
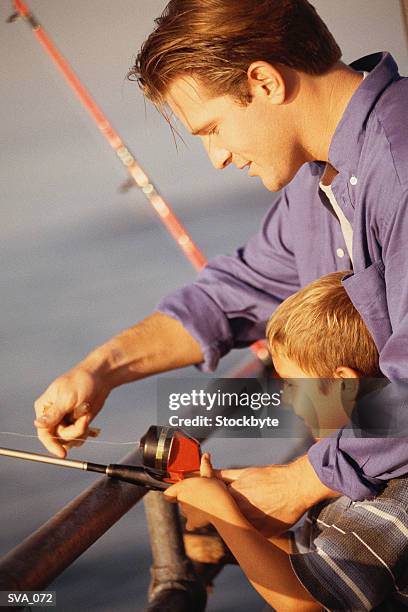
64 411
157 344
274 497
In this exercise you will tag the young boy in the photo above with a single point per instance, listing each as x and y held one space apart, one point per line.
347 555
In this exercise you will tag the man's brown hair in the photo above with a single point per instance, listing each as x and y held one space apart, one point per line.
217 40
319 329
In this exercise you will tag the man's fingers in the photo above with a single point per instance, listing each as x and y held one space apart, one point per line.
206 470
72 444
51 444
50 416
91 432
76 430
83 409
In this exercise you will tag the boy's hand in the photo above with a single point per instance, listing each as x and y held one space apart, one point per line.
201 499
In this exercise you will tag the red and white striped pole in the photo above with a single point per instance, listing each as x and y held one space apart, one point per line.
162 208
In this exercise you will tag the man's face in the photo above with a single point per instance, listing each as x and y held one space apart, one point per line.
258 136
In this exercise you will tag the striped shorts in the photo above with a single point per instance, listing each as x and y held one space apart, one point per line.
354 555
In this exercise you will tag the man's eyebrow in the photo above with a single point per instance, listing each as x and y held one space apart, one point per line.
203 130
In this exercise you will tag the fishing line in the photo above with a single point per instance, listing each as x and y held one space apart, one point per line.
87 439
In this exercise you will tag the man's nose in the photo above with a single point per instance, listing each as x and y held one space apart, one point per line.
219 157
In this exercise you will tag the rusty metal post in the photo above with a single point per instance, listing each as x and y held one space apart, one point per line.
40 558
175 586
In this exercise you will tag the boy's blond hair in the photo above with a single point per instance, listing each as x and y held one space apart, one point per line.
320 329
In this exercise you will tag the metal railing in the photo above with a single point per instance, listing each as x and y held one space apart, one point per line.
41 557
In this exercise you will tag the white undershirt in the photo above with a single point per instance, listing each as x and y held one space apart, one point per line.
345 224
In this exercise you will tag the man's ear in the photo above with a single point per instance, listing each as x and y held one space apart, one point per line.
267 81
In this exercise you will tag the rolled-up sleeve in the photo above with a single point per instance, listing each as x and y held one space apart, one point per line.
339 462
230 302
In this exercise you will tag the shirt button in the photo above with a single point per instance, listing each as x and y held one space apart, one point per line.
353 180
340 253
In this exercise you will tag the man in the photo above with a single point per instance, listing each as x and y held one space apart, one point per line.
264 87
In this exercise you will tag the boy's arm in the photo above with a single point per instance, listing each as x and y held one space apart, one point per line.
357 560
266 565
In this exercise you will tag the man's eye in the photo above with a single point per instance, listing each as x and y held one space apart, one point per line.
213 131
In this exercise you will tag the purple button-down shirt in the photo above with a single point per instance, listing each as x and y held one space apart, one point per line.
232 298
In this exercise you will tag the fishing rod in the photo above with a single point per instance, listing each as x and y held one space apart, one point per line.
162 208
168 455
138 175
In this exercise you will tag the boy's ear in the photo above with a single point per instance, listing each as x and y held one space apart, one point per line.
350 384
346 372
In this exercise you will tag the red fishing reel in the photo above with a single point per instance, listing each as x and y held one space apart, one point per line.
171 452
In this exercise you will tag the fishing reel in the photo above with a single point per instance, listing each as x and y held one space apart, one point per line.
168 455
170 452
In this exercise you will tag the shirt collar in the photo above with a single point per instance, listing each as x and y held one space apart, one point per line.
345 147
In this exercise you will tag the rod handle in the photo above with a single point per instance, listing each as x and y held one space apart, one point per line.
137 475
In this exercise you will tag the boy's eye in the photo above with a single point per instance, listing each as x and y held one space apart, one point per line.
213 131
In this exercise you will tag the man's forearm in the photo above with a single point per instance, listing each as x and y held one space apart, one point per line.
156 344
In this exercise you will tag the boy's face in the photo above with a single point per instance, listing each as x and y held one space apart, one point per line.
259 136
320 402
